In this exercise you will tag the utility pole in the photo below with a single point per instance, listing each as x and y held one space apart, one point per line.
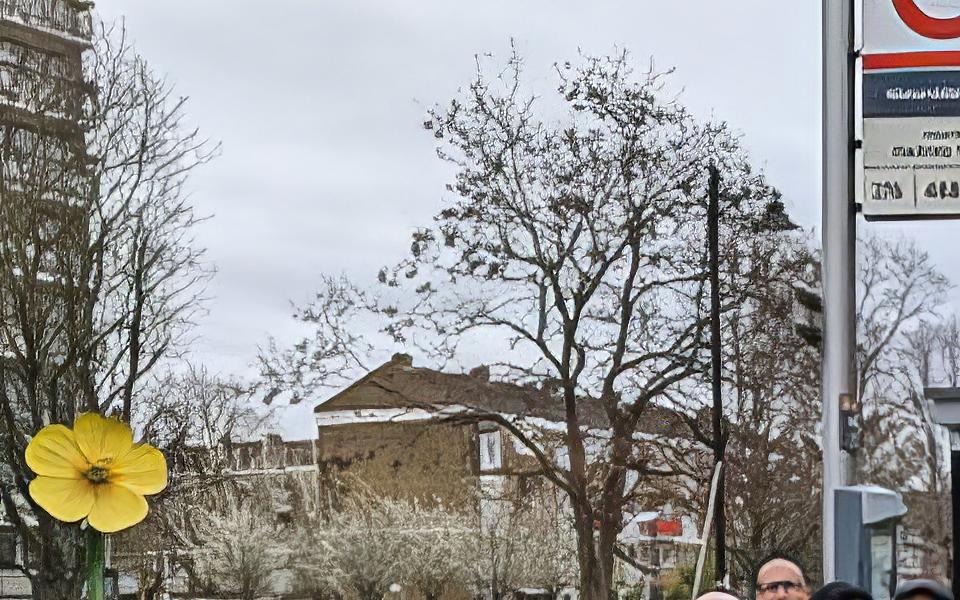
839 247
719 438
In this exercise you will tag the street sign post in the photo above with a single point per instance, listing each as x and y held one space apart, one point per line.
911 109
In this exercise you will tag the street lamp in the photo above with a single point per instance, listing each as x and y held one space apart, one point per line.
945 409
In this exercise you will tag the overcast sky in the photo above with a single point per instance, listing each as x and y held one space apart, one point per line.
319 105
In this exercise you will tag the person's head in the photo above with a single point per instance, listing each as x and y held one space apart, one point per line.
839 590
781 578
922 589
716 595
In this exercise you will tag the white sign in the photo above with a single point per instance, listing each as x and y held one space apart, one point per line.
908 192
881 562
919 142
911 108
17 585
898 26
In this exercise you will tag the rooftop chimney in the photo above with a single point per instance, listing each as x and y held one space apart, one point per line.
402 359
481 372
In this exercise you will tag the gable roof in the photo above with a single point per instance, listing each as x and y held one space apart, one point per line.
398 384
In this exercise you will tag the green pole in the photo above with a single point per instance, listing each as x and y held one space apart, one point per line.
95 564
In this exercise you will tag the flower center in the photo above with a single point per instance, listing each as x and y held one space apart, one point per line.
97 474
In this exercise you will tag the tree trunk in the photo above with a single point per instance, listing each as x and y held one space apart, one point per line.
593 583
608 540
611 522
597 533
59 564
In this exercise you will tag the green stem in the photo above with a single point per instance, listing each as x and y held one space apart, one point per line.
95 563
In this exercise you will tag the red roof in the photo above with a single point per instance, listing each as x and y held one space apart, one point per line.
666 527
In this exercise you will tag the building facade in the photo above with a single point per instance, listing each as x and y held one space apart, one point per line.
42 172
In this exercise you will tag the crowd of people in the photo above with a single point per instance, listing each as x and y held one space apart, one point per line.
784 579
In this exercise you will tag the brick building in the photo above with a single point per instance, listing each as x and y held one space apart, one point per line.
396 423
400 429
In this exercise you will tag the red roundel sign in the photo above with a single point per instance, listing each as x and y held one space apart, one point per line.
924 24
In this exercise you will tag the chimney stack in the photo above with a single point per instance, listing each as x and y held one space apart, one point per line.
402 359
481 372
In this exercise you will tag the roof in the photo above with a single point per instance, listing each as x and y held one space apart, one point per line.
397 383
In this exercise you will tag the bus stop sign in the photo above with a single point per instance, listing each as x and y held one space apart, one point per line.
911 109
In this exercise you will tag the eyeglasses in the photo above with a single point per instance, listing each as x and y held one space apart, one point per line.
768 589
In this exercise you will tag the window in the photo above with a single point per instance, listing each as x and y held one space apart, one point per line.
668 557
491 455
8 548
525 486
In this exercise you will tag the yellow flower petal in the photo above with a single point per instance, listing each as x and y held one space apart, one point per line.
65 499
101 439
53 452
142 470
115 508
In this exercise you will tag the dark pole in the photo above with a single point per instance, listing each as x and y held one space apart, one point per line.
713 238
955 497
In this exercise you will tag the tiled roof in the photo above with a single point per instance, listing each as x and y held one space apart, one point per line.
420 387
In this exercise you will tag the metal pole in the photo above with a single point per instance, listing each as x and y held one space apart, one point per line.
839 242
713 237
705 538
955 498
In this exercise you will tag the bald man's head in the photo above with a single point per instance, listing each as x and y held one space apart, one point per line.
717 596
781 579
772 569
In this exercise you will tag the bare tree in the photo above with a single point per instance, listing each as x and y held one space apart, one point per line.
368 542
573 248
580 241
897 286
899 295
191 416
335 352
240 549
210 536
523 540
100 277
185 411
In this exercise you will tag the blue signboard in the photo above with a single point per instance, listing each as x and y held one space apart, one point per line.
934 93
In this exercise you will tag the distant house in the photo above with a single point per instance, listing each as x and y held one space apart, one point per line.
400 428
399 424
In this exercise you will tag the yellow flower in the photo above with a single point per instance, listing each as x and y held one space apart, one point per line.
94 471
